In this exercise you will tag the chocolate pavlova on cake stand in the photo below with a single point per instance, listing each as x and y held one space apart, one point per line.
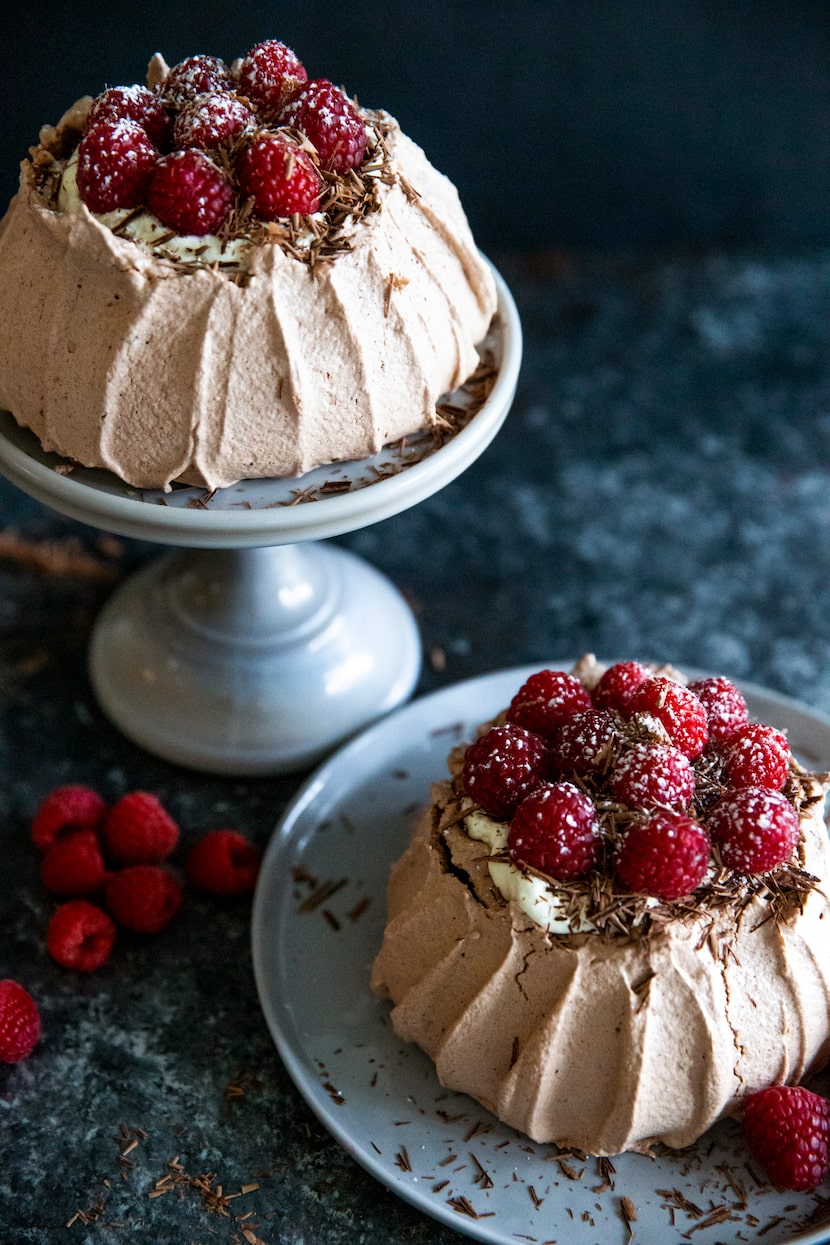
266 324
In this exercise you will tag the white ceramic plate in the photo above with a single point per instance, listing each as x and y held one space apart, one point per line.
317 924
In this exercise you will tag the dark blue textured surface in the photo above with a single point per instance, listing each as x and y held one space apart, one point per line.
660 490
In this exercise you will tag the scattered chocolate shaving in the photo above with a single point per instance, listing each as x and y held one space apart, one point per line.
321 892
402 1160
628 1211
66 557
482 1177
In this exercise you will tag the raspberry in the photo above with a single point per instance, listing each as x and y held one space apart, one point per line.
756 756
139 831
224 863
65 810
74 866
115 163
196 75
581 744
647 775
210 121
279 177
725 706
19 1022
330 121
679 710
189 193
665 855
133 103
788 1131
555 830
143 898
755 829
546 699
501 767
80 936
618 684
268 74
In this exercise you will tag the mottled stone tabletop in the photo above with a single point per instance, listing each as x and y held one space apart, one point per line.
661 489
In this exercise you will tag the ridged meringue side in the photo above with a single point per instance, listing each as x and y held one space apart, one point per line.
119 359
606 1046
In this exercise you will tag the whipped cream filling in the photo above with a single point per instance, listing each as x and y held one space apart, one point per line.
537 898
148 231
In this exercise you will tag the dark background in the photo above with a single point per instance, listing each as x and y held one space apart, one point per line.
585 123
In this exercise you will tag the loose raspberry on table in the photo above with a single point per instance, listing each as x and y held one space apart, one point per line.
725 706
268 74
618 684
65 810
143 898
279 177
555 831
648 775
547 699
189 193
196 75
19 1022
681 713
581 744
756 756
211 121
80 936
74 866
503 766
788 1131
224 862
116 160
330 121
138 830
756 829
665 855
133 103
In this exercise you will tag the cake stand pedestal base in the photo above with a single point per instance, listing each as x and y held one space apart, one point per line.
255 660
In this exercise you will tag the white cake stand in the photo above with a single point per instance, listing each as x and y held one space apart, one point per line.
254 649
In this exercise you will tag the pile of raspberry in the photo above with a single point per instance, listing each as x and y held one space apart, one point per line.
211 138
110 867
642 777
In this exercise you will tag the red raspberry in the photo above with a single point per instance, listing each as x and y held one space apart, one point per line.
133 103
581 744
80 936
268 74
618 684
756 829
648 775
546 700
501 767
139 831
211 121
666 855
19 1022
555 830
224 863
189 193
725 706
756 756
196 75
330 121
679 710
788 1131
115 163
74 866
279 177
65 810
143 898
